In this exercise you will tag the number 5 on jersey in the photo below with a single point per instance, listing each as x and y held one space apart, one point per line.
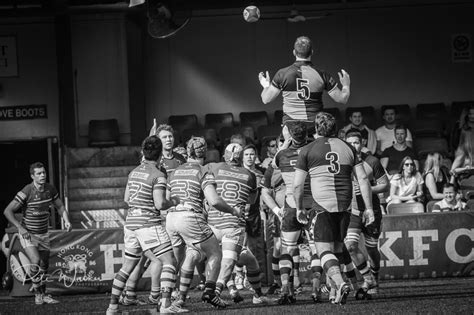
302 86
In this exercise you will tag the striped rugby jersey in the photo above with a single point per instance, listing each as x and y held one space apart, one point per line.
36 205
171 164
142 181
286 162
235 185
302 87
187 182
329 162
375 173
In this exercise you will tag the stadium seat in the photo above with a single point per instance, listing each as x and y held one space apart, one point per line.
183 122
456 109
405 208
104 133
466 187
425 145
270 131
430 205
226 133
435 111
209 134
427 128
217 121
254 119
470 205
368 112
278 117
403 111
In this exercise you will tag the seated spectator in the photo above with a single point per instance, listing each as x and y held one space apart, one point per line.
385 135
238 138
407 184
465 123
464 155
369 139
451 200
272 148
435 177
393 155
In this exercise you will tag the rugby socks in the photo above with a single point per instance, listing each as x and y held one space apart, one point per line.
117 287
375 272
331 265
276 270
210 286
185 282
220 287
316 272
348 267
35 275
253 276
296 267
286 266
168 282
365 271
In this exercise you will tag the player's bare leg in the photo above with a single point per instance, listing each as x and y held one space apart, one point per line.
248 259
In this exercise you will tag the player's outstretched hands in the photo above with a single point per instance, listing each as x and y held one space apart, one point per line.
344 78
368 217
153 128
302 216
264 79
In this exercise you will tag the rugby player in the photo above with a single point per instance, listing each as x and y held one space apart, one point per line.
302 85
330 163
186 224
237 186
145 194
35 199
380 184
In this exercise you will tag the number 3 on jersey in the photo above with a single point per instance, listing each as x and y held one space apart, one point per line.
302 86
334 166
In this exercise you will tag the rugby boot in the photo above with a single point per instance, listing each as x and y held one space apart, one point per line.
341 293
273 289
214 299
235 295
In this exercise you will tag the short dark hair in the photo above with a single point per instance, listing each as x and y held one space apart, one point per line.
325 124
151 148
389 107
353 133
250 146
357 111
303 47
35 165
449 185
297 130
399 127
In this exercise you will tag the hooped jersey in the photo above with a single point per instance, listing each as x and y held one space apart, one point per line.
329 163
171 164
375 173
302 87
142 181
36 206
235 184
187 182
286 160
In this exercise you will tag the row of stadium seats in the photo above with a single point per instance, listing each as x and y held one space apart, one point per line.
416 207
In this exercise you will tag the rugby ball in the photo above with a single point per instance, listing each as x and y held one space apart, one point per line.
6 245
20 266
251 14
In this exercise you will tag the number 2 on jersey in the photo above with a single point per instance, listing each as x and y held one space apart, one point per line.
334 166
302 86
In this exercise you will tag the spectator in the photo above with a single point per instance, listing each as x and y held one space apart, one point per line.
435 177
465 123
385 134
272 148
451 200
407 184
369 139
464 155
393 155
238 138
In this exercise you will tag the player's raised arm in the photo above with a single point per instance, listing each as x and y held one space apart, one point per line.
269 92
342 95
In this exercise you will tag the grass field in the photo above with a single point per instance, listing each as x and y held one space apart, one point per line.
439 296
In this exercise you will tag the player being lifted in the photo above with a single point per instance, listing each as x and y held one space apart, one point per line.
379 182
186 224
291 229
302 86
143 231
237 186
330 163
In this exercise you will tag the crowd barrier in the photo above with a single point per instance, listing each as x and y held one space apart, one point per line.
412 246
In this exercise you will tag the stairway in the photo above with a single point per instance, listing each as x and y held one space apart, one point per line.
96 179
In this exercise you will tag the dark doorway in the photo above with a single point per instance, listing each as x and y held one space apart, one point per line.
15 159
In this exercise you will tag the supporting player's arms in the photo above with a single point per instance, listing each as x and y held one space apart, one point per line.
269 201
9 213
269 92
58 204
298 193
217 202
342 95
366 192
